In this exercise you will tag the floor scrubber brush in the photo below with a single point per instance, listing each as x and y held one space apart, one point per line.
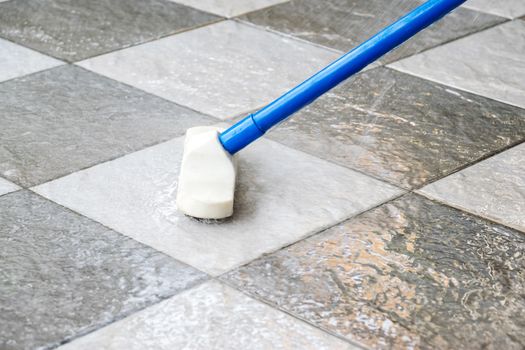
208 170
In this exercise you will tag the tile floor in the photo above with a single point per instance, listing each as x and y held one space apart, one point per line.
388 214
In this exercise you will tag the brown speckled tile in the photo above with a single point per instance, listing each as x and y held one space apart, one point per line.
65 119
409 274
400 128
344 24
73 30
62 275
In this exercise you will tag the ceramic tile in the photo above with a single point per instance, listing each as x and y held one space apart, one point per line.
6 187
222 69
211 316
64 275
409 274
229 8
344 24
402 129
16 60
493 188
74 30
65 119
504 8
282 195
489 63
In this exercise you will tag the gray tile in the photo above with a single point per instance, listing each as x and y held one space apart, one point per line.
222 69
16 60
64 275
229 8
400 128
208 317
505 8
489 63
74 30
64 119
282 196
344 24
409 274
494 188
6 187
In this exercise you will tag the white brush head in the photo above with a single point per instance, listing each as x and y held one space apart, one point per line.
207 176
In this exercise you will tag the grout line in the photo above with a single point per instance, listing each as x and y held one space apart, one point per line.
474 162
33 73
467 211
279 309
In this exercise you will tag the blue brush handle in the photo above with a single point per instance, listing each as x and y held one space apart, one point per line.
255 125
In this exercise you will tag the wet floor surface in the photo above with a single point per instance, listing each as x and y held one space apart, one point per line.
388 214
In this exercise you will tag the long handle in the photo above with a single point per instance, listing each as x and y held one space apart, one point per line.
255 125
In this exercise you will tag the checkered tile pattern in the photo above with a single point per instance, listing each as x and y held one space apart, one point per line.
387 214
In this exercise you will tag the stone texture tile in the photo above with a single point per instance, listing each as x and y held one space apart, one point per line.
73 30
63 275
210 316
229 8
344 24
493 188
400 128
282 195
16 60
64 119
409 274
222 69
6 187
506 8
489 63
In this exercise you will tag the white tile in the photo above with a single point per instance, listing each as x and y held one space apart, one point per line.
222 69
490 63
503 8
282 195
6 187
16 61
229 8
493 188
211 316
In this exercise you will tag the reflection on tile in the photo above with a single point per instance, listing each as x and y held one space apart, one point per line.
408 274
222 70
282 195
493 188
505 8
229 8
74 30
16 60
489 63
65 119
6 187
344 24
211 316
63 275
401 128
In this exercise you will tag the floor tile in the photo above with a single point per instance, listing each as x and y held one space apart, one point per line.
493 188
344 24
489 63
222 69
409 274
507 8
210 316
282 195
6 187
16 60
65 119
401 128
229 8
74 30
64 275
